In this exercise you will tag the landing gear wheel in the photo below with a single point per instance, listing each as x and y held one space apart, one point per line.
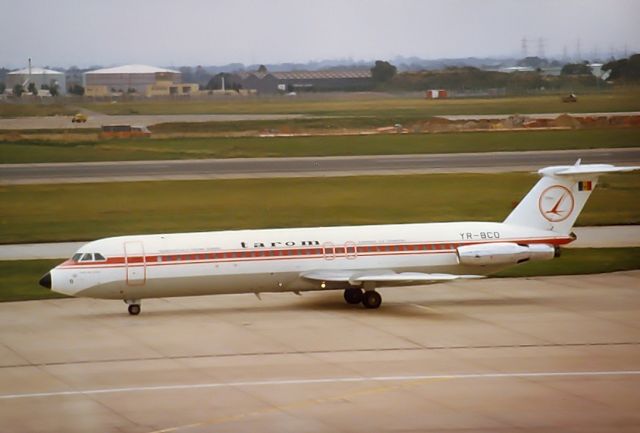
371 299
353 296
134 309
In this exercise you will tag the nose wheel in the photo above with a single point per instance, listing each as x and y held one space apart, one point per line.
134 306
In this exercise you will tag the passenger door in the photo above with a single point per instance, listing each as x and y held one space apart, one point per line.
135 262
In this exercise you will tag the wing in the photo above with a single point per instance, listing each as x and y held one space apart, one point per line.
382 276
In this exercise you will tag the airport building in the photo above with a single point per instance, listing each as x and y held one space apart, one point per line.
136 79
42 78
304 81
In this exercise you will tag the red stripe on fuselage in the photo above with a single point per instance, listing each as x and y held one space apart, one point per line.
327 253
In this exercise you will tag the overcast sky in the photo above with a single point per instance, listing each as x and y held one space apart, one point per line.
211 32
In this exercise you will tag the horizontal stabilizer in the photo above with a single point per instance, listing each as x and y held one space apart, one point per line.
381 276
584 169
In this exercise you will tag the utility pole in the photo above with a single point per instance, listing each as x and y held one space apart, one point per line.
541 46
578 51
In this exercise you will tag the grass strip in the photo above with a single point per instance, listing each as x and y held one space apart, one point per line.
22 109
33 151
66 212
19 280
623 99
577 261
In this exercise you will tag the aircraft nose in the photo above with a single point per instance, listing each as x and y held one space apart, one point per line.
45 281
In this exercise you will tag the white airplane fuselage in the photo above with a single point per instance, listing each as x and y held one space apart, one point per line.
356 259
275 260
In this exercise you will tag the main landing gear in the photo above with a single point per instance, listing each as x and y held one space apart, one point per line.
368 298
134 306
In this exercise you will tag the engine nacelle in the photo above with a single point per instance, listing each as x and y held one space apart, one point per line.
503 253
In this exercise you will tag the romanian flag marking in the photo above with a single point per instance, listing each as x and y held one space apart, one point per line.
585 185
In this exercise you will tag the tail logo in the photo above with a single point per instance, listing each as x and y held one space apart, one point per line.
556 203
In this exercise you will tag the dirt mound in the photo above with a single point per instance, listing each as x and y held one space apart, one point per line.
564 120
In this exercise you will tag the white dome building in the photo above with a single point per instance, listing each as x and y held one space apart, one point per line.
140 79
39 76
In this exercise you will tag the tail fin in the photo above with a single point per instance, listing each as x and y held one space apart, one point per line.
556 200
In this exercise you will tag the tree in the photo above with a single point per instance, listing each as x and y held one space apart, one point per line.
576 69
383 71
186 74
201 75
32 88
53 90
624 69
76 89
18 90
262 69
231 82
533 62
3 87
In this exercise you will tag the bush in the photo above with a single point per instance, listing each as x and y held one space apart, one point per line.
576 69
624 69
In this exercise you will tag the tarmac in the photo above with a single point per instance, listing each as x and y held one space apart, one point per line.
547 354
588 237
236 168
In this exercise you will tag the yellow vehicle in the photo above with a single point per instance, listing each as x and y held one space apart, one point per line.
79 118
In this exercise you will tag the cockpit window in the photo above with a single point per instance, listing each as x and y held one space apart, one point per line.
88 257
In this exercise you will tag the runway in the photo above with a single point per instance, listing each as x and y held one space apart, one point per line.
541 354
12 174
588 237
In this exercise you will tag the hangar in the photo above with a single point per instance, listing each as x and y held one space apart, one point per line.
136 79
42 78
303 81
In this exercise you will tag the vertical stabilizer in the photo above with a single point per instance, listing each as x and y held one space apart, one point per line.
557 199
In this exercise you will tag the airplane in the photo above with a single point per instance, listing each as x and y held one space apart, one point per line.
355 259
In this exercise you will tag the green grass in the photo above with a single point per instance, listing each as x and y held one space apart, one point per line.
378 104
195 148
60 212
35 109
346 104
19 279
580 261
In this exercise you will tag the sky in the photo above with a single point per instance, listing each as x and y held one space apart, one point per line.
211 32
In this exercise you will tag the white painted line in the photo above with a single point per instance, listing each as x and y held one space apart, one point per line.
325 380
